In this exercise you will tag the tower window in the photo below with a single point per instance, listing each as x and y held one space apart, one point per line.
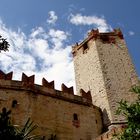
85 47
14 103
75 117
105 38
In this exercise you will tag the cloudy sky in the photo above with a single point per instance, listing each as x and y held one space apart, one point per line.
41 33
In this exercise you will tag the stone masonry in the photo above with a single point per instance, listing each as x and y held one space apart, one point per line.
104 75
61 113
104 67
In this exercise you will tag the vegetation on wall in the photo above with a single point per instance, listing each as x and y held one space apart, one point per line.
132 115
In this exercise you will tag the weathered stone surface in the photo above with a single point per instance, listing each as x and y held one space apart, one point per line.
105 68
52 115
104 75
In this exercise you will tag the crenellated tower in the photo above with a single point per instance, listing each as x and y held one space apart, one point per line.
103 67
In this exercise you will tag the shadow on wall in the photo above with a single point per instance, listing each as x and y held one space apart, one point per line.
106 120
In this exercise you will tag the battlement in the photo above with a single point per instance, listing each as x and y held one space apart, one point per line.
108 37
112 132
47 88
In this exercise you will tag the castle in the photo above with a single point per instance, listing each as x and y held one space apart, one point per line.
104 75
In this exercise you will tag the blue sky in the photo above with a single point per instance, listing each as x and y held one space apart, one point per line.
41 33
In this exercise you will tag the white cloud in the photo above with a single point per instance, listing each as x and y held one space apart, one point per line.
38 32
43 53
131 33
52 17
57 37
97 22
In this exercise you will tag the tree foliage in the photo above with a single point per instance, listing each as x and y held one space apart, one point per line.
4 45
7 130
132 115
10 132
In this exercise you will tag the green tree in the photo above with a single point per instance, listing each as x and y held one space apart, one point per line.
25 132
132 115
4 45
10 132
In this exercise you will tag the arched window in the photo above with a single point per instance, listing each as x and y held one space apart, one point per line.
14 103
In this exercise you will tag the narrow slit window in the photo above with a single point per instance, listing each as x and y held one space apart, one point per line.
76 121
75 117
85 47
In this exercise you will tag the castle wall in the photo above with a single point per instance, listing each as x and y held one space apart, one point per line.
118 74
88 74
52 110
104 75
104 67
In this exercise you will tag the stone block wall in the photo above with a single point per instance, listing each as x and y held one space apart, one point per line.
69 116
104 67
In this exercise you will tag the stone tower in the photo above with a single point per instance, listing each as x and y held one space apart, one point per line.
104 67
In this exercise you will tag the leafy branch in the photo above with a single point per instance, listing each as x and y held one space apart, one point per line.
4 45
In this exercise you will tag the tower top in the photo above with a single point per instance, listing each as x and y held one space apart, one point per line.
107 37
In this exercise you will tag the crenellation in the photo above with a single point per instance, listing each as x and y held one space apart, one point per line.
52 110
27 84
7 76
112 132
28 81
110 37
104 75
86 95
47 84
93 33
64 89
